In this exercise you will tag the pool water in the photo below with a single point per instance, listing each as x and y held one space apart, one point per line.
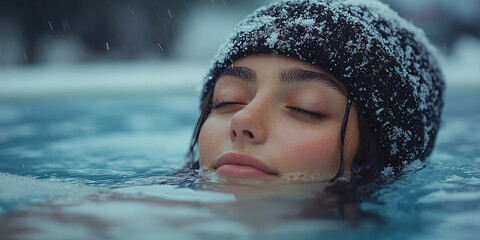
105 167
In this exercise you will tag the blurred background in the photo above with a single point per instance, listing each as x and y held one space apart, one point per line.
50 43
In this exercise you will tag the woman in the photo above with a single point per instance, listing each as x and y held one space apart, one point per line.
312 91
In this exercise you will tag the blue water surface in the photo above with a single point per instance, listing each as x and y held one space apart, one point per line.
100 141
103 167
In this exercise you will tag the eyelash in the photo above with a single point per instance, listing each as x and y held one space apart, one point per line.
220 104
302 112
306 113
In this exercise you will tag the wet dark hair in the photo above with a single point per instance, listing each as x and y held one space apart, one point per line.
369 159
205 110
367 163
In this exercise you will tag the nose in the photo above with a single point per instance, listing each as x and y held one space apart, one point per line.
247 126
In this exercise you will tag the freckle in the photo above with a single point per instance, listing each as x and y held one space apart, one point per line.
301 175
291 176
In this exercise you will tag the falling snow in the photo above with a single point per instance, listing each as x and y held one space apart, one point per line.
160 46
50 25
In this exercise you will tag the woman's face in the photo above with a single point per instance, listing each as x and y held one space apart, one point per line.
277 119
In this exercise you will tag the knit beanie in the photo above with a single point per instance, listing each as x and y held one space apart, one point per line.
387 64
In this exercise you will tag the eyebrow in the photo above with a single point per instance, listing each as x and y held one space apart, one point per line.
243 73
287 76
293 75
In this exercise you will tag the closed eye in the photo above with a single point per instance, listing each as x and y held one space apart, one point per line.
223 105
306 113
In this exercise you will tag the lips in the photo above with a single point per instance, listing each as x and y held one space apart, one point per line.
242 165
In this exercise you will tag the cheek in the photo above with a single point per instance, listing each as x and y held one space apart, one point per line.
210 141
312 153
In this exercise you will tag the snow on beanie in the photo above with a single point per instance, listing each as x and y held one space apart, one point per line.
386 63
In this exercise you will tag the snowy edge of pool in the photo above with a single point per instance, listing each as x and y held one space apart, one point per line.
102 78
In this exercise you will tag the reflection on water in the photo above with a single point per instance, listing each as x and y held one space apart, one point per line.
101 168
201 210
